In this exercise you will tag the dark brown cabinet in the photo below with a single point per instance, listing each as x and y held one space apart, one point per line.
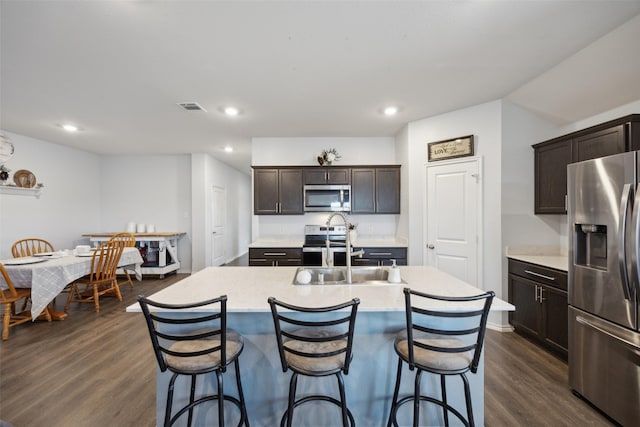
375 190
540 296
327 175
381 256
551 177
275 257
600 144
553 156
277 191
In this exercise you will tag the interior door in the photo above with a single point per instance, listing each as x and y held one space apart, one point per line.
453 214
218 225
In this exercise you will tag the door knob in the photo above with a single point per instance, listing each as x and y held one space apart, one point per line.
430 246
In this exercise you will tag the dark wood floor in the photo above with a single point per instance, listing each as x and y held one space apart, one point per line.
98 370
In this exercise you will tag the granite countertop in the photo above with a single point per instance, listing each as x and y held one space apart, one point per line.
248 289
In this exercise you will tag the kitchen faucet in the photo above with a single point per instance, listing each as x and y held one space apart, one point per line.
348 248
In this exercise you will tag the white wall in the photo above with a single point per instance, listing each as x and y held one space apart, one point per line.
402 156
69 205
621 111
482 121
148 190
88 193
208 172
303 152
520 226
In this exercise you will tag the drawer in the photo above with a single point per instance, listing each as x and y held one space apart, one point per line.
538 273
384 253
275 253
275 257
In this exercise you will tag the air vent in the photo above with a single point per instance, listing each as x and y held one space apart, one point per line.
191 106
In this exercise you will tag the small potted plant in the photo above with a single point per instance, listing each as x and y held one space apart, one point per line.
328 156
4 174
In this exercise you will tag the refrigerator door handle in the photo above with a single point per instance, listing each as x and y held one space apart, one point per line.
628 343
635 234
622 248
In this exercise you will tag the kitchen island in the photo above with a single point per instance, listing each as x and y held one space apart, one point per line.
369 384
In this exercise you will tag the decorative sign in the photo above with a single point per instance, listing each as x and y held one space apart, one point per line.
451 148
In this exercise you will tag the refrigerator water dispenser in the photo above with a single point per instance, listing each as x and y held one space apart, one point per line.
591 245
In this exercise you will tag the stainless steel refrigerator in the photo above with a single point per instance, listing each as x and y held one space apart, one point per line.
604 284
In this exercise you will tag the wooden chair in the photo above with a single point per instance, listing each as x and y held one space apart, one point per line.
129 241
101 280
30 246
8 299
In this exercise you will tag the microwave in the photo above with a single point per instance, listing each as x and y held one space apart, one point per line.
327 198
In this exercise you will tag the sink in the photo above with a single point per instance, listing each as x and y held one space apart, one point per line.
338 275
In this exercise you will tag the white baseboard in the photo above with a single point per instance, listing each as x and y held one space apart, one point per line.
500 328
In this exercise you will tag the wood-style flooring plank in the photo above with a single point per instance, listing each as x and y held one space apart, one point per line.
91 369
527 386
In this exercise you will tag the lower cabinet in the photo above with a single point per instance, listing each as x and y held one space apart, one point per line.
274 257
540 296
380 256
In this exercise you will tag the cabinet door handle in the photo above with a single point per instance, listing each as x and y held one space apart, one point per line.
541 300
536 294
533 273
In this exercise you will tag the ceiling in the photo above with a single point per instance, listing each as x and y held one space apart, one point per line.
117 69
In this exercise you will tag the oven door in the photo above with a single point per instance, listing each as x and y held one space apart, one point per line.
312 256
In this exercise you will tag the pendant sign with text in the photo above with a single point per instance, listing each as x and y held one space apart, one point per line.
451 148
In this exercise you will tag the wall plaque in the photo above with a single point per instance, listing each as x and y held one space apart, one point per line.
450 148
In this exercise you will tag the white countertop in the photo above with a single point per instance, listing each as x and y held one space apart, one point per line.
559 262
294 243
360 242
248 289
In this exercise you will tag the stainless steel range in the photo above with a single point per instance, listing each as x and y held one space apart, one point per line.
315 243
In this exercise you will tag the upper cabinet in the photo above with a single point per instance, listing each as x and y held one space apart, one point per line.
553 156
551 162
327 175
600 144
375 190
277 191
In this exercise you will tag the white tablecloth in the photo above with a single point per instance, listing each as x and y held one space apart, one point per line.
48 278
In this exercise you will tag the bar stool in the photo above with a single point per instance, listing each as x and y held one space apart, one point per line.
185 350
442 342
315 346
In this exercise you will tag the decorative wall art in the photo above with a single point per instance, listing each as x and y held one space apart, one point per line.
450 148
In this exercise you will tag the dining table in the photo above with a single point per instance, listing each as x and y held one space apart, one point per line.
49 273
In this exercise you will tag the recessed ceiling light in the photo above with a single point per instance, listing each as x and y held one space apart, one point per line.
70 128
390 111
231 111
228 149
